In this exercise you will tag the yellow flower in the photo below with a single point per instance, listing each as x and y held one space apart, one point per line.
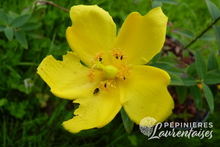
115 75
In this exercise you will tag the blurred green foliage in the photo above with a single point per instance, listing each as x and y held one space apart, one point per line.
29 31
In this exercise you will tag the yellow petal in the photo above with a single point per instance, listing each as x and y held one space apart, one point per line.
68 78
92 31
142 37
95 111
144 94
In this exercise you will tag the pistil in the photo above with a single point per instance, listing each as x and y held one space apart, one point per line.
109 71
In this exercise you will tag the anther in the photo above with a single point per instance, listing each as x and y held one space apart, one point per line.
91 75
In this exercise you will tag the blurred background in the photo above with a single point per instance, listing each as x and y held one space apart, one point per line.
30 30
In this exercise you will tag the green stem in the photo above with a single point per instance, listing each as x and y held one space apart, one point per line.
151 4
203 32
53 4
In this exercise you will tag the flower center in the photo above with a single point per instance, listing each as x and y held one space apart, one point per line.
109 71
119 69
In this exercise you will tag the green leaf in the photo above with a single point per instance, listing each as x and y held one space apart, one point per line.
213 10
167 1
188 81
209 97
9 33
4 17
201 67
175 80
2 28
137 1
13 71
191 70
13 15
207 37
185 53
133 140
3 102
212 61
17 109
19 21
128 124
184 32
169 60
168 67
30 26
217 35
212 77
35 35
181 92
156 4
196 93
155 58
21 38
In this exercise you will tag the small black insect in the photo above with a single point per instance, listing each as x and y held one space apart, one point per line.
105 85
121 57
100 59
96 91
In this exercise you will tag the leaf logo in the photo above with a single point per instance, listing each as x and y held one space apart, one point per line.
146 125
